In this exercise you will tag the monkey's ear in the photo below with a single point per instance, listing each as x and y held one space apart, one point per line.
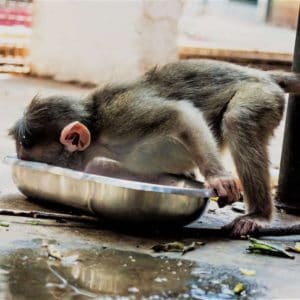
75 137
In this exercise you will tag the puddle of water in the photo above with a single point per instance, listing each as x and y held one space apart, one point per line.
28 273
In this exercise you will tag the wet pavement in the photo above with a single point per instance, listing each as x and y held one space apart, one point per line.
112 263
93 272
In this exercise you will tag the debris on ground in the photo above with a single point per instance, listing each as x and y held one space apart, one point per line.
215 199
247 272
160 279
239 288
295 249
133 290
260 247
4 224
176 247
238 207
36 222
53 252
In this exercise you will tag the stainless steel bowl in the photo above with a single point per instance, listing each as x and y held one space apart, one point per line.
111 198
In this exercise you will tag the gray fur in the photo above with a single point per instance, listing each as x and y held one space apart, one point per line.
171 120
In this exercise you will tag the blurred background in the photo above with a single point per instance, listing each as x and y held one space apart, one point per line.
96 41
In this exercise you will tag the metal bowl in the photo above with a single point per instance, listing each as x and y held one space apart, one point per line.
110 198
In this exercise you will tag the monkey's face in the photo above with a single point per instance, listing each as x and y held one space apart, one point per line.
50 152
49 132
64 148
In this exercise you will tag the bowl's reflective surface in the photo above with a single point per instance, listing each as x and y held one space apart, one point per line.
111 198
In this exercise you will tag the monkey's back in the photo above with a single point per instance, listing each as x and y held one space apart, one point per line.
208 84
200 81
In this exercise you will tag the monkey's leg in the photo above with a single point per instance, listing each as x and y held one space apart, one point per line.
249 121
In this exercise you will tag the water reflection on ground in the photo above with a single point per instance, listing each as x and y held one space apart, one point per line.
103 273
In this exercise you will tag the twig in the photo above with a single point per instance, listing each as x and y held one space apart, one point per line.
47 215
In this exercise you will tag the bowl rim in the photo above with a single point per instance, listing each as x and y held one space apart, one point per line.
122 183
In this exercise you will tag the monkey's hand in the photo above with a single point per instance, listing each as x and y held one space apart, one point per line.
227 188
245 225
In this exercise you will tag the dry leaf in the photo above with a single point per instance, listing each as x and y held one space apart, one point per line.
295 249
215 199
176 247
238 288
247 272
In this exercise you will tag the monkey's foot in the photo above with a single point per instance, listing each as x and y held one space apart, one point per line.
244 225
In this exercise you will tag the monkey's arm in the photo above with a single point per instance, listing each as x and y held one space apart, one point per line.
199 139
173 137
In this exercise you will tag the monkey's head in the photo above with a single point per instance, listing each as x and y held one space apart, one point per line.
53 130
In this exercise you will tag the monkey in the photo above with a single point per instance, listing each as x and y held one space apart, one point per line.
171 120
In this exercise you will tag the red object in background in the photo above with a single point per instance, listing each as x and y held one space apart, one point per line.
15 16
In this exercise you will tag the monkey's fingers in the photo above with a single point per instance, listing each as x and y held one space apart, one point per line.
218 187
231 191
236 191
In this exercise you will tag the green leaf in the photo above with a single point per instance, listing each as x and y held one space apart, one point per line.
260 247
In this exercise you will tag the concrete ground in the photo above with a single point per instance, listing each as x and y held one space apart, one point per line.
99 262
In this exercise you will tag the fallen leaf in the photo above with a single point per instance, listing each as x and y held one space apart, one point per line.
176 247
33 222
168 247
215 199
4 224
238 288
247 272
295 249
191 247
297 246
260 247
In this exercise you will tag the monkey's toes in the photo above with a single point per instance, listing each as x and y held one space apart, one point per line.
243 226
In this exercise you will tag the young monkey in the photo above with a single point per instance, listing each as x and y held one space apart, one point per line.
171 120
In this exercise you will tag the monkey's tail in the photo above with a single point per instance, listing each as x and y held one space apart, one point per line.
288 81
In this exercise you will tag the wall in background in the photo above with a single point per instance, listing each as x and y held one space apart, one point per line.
102 41
284 12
